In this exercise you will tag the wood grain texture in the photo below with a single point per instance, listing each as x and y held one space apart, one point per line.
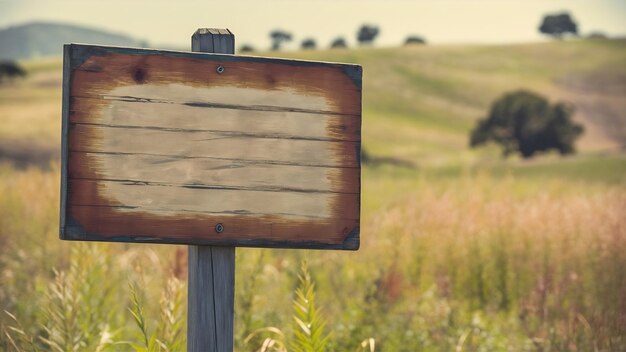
212 173
279 124
64 137
216 145
211 303
211 298
161 146
213 200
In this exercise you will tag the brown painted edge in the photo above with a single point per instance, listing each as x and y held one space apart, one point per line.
73 231
82 52
65 109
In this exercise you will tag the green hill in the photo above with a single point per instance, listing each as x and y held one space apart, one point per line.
40 39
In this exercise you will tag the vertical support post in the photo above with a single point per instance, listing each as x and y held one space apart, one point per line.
211 274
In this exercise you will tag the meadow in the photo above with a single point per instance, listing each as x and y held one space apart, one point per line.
461 250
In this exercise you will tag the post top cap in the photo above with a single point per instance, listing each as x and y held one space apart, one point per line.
212 31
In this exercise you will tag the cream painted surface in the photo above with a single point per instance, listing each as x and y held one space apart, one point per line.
226 173
224 202
176 92
231 145
278 123
210 145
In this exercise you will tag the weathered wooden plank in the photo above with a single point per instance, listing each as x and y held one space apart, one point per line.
211 298
176 171
213 40
183 117
142 197
114 72
114 224
221 145
212 269
65 112
222 97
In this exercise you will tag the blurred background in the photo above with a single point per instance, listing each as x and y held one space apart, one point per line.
493 182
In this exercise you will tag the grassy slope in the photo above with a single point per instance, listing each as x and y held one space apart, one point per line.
421 102
30 109
433 94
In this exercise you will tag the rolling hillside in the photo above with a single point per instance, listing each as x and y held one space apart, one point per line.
41 39
420 102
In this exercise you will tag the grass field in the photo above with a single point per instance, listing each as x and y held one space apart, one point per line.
461 249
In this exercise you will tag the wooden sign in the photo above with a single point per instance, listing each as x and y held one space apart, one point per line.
194 148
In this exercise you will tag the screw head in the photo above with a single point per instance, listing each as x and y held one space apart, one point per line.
220 69
219 228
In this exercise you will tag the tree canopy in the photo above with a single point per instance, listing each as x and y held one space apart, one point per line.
11 70
527 123
246 48
308 43
367 34
338 43
557 25
279 36
414 39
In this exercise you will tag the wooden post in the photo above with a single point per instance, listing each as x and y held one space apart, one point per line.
211 278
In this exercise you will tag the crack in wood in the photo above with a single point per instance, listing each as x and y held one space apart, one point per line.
247 161
207 186
226 134
183 210
213 105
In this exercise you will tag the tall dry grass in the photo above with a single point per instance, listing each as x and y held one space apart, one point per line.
73 296
546 256
470 263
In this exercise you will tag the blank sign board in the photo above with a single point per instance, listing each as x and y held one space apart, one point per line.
193 148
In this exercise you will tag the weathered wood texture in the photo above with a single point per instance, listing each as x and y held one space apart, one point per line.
211 274
162 146
210 313
64 137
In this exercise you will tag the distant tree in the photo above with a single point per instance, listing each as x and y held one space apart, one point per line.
414 39
557 25
367 34
278 37
308 43
525 122
11 70
246 48
338 43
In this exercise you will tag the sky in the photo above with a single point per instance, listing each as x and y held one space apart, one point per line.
172 22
